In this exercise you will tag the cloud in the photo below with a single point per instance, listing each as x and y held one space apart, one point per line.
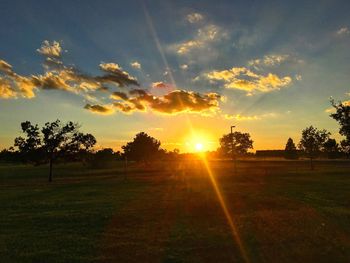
6 91
239 117
117 95
174 102
187 46
135 65
245 79
6 68
269 60
161 85
184 66
194 18
205 37
59 76
298 77
14 85
124 107
52 49
100 109
343 31
116 75
184 101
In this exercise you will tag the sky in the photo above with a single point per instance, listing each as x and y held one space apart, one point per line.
181 71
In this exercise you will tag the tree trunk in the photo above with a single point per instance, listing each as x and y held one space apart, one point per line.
50 172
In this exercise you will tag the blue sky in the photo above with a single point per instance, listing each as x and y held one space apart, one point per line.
268 67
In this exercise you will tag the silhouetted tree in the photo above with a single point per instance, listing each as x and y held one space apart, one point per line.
238 141
342 116
290 151
331 148
29 147
143 148
9 155
103 158
312 141
345 147
55 140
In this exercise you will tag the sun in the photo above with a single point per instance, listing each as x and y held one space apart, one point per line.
199 142
199 146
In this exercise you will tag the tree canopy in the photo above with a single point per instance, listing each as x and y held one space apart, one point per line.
312 141
291 150
142 148
55 140
342 116
239 142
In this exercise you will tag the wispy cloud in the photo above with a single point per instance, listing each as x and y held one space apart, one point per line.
204 38
194 18
161 85
343 31
269 60
239 117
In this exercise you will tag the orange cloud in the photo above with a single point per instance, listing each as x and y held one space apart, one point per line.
6 90
59 76
174 102
245 79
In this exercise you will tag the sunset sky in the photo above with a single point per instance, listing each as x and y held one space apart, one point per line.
181 71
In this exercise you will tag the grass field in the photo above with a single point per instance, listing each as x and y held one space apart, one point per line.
281 211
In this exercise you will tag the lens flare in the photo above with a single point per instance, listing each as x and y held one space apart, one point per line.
209 171
226 211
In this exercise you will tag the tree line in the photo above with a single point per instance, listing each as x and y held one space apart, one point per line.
63 142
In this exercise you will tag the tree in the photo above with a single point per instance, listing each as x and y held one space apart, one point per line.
29 146
239 142
103 158
312 141
143 148
331 148
55 140
290 151
342 116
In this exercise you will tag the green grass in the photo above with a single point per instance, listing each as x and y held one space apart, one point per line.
282 212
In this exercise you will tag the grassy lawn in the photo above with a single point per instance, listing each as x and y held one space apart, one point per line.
282 212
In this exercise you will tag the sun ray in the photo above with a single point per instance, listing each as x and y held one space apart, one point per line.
221 200
225 209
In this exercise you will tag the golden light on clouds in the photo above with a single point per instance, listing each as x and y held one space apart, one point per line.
245 79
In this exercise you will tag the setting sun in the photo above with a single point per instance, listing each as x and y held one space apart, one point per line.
199 141
199 147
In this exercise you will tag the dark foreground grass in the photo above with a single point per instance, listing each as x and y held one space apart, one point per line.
282 212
